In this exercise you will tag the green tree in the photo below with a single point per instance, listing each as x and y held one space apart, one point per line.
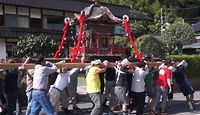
151 46
172 9
124 41
34 45
119 2
176 35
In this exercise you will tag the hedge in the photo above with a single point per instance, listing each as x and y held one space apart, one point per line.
193 68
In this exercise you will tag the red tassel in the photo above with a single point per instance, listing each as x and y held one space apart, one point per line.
63 39
76 49
128 30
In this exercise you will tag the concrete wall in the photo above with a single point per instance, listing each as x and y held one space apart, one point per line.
2 48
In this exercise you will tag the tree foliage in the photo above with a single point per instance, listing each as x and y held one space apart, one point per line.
124 41
172 9
151 47
176 36
34 45
119 2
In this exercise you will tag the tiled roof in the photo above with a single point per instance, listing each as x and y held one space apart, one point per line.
74 6
11 32
196 27
193 45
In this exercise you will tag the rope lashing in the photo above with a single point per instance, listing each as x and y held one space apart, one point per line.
128 30
80 35
63 38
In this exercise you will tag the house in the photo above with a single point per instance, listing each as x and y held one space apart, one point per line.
19 17
192 48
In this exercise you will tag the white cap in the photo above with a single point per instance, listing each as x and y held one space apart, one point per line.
125 62
95 62
160 66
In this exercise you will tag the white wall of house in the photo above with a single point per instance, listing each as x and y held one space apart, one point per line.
197 37
3 48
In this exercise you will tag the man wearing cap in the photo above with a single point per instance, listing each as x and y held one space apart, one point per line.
40 86
93 85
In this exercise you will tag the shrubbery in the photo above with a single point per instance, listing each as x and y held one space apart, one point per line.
151 46
34 45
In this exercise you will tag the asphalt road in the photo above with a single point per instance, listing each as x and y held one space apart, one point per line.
179 105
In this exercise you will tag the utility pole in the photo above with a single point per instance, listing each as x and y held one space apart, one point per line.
161 19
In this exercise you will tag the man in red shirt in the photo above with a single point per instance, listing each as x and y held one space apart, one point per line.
162 87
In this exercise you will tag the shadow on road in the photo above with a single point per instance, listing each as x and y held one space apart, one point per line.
85 111
181 106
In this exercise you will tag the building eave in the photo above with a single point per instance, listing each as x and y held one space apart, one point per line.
12 32
74 6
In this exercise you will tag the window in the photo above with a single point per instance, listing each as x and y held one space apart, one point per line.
12 20
1 9
10 49
53 22
1 20
10 9
35 18
51 12
23 11
35 23
23 21
35 13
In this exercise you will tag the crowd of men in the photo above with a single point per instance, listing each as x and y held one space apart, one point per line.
125 87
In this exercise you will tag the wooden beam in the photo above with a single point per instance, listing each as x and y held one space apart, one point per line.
65 65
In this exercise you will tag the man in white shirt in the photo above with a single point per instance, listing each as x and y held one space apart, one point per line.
71 90
56 89
40 86
138 88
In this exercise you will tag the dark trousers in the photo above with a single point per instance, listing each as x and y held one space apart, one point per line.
11 97
137 102
96 100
